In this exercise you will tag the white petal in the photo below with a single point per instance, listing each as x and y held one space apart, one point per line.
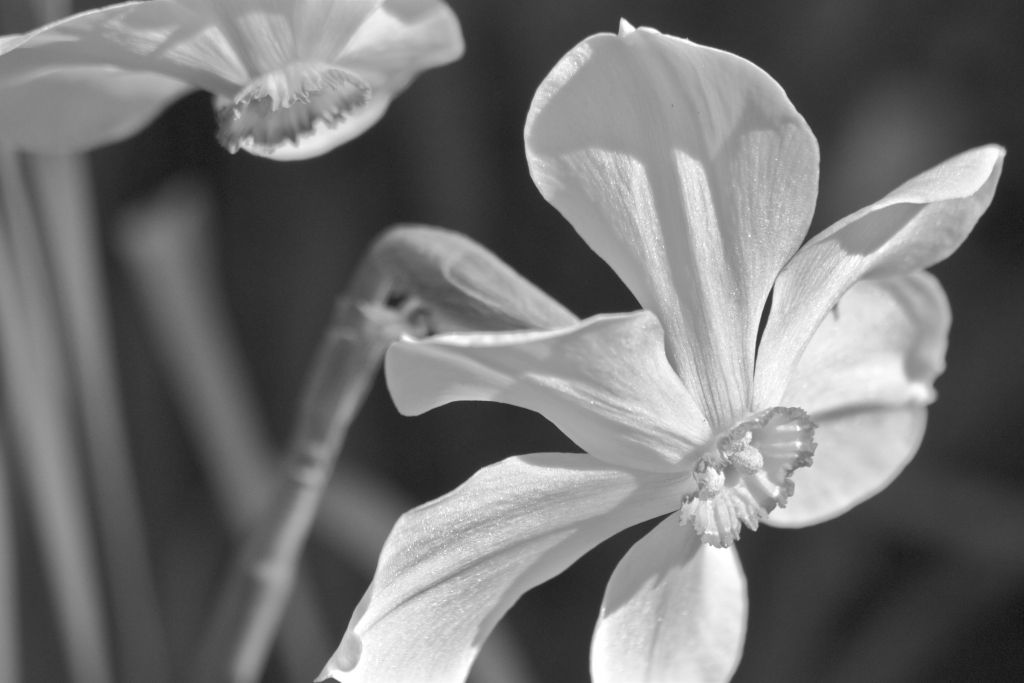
100 76
883 344
79 108
689 171
674 611
860 452
451 568
915 226
605 382
401 39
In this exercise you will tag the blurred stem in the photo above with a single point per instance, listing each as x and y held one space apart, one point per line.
165 249
43 434
250 607
64 194
10 641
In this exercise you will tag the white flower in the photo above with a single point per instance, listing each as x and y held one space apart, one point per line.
689 171
291 79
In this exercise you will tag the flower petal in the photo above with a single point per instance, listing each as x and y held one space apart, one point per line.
604 382
107 73
78 108
915 226
883 344
674 610
451 568
689 171
401 39
860 451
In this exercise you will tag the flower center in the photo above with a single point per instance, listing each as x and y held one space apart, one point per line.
287 104
748 474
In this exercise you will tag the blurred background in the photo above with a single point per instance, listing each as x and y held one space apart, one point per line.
923 583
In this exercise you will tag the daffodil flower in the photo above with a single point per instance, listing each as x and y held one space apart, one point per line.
689 171
291 79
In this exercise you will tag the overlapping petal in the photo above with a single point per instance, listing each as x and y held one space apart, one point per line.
915 226
605 382
407 37
866 378
108 72
860 451
674 610
689 171
451 568
882 345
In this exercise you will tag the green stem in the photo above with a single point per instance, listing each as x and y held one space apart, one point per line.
64 190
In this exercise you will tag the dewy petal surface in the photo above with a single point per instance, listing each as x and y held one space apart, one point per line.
451 568
866 377
915 226
605 382
689 171
674 610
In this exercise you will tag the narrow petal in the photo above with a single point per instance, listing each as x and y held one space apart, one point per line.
451 568
689 171
674 611
883 344
860 451
401 39
915 226
604 382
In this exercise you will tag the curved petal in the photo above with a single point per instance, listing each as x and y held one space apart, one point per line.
451 568
325 137
401 39
604 382
175 39
79 108
915 226
99 76
883 344
689 171
860 451
674 611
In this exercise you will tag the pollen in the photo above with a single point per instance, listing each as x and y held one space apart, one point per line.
287 104
748 474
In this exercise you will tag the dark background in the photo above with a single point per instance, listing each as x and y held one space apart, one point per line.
923 583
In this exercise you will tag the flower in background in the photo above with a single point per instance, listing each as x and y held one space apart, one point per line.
690 172
291 79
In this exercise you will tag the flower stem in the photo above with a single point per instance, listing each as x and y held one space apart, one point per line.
164 247
42 429
250 607
64 190
10 641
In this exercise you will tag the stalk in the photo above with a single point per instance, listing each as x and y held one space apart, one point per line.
44 439
64 189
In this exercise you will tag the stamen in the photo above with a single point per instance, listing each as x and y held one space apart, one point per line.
286 104
755 462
